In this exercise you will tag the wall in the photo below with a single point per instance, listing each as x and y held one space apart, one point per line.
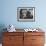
9 13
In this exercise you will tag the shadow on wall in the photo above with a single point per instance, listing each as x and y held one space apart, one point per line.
2 26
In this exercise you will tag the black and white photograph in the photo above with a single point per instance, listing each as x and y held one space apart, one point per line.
26 13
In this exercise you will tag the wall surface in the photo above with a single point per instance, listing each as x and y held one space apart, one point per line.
8 13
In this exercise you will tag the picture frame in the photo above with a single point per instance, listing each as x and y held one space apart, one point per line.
26 14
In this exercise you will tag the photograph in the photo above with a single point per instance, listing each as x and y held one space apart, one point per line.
26 14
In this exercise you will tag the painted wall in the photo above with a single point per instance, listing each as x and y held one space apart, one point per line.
8 13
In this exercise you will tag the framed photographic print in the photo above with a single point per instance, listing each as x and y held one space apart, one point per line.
26 14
